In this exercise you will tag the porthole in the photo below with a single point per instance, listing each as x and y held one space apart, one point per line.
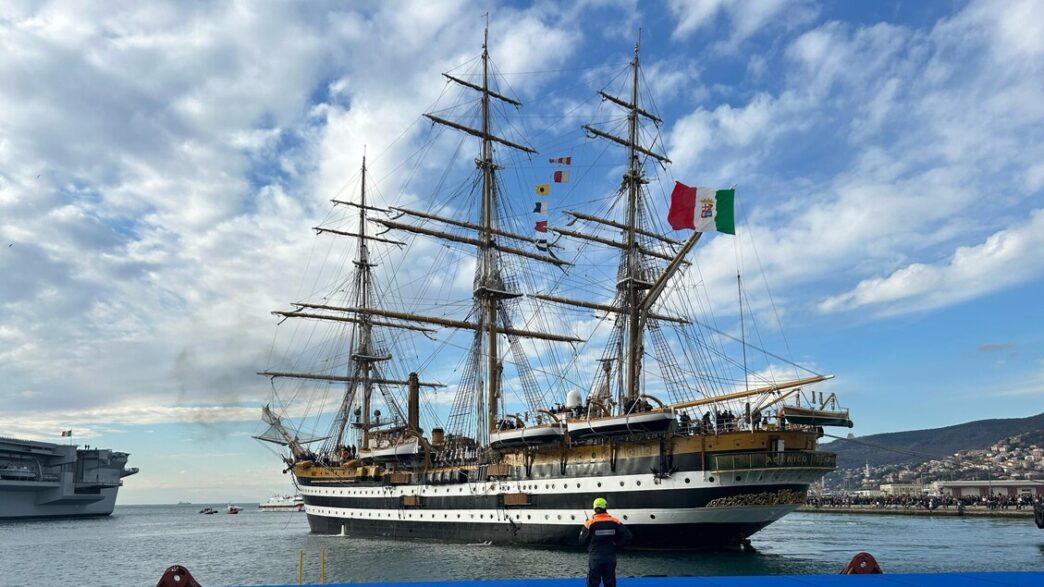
599 483
572 517
711 479
578 486
637 482
739 478
652 516
625 516
687 479
529 517
559 516
621 484
547 517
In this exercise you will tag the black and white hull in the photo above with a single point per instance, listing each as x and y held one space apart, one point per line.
687 510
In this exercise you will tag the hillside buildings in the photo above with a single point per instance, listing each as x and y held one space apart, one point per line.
1012 467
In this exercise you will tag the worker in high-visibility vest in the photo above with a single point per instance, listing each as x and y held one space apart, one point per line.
602 534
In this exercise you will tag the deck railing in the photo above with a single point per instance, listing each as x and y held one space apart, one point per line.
773 460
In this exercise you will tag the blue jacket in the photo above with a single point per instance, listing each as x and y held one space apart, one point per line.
602 534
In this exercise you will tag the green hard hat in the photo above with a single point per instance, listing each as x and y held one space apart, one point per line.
600 503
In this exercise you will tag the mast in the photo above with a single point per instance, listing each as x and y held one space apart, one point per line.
633 273
363 357
635 304
743 332
492 317
488 271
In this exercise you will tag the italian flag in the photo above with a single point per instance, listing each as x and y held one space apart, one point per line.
703 209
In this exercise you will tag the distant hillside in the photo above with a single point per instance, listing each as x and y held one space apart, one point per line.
938 442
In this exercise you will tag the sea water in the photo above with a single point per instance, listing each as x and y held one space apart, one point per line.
137 543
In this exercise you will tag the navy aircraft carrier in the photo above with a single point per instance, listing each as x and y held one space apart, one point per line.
43 480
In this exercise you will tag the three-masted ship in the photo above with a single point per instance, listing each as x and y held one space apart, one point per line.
688 458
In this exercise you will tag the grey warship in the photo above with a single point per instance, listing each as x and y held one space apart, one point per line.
45 480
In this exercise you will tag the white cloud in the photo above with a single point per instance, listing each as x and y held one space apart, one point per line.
90 423
1006 258
693 15
745 18
751 128
915 128
161 166
160 169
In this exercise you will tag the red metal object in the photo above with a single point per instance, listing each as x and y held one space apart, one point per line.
177 576
862 564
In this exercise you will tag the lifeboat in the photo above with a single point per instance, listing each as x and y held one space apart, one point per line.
527 435
810 417
408 448
659 420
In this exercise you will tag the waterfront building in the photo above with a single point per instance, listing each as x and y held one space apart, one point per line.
999 488
897 489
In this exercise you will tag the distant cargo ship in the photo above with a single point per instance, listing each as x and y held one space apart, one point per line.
43 480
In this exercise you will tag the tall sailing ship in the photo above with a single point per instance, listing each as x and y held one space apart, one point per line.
533 423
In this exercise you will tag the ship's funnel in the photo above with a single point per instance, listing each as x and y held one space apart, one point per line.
413 404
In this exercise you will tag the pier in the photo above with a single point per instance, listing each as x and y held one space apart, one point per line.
1020 579
890 510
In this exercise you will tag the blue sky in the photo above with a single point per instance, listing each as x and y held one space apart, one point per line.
161 167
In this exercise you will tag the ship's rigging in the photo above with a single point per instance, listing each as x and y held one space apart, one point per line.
521 288
612 308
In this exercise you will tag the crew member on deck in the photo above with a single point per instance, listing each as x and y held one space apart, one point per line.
602 534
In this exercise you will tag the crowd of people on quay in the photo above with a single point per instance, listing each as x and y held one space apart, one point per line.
925 502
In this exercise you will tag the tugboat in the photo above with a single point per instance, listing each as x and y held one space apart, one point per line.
691 446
